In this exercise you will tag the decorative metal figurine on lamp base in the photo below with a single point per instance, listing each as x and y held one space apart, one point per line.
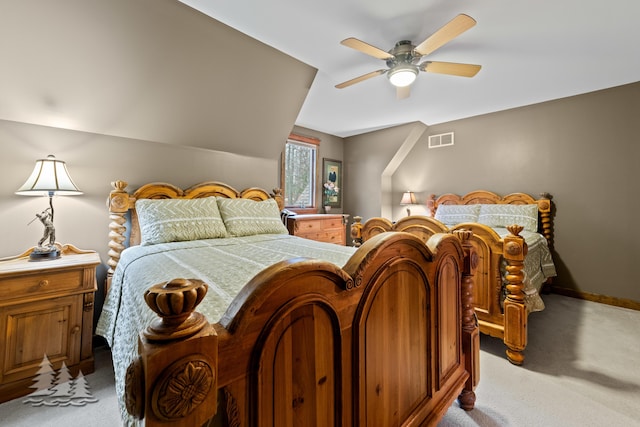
49 251
49 177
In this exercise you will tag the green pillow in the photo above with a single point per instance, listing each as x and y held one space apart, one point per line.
174 220
504 215
246 217
455 214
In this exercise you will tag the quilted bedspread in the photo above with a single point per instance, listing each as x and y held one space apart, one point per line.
226 265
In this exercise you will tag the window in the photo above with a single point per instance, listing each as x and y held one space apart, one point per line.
300 172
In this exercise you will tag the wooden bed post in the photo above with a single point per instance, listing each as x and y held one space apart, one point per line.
470 329
356 231
118 204
544 207
431 205
174 380
278 195
515 312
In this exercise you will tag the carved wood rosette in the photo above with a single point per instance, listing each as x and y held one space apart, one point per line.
173 382
515 314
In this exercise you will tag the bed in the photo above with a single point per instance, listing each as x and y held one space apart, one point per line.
513 238
249 326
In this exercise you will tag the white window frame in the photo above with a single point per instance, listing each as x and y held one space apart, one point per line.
312 144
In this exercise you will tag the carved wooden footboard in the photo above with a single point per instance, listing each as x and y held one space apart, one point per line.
506 319
388 340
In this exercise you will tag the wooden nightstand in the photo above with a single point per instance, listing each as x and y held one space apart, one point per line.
321 227
45 307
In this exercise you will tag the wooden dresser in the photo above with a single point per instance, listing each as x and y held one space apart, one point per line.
46 307
331 228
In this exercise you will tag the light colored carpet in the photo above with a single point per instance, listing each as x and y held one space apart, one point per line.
582 369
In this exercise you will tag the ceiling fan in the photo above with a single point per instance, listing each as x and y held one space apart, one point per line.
404 59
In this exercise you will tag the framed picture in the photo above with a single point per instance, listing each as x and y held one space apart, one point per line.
332 183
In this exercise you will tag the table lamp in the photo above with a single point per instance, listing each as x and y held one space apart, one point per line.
408 199
49 177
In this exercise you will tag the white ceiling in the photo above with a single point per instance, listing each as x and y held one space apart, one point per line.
530 51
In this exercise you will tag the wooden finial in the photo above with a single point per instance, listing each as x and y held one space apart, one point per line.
175 302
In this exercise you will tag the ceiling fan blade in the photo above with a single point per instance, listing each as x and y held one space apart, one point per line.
452 68
448 32
366 48
403 92
360 78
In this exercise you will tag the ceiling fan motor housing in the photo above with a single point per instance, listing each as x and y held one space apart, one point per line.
403 53
402 69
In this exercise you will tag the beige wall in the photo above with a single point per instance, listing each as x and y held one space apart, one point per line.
366 158
584 150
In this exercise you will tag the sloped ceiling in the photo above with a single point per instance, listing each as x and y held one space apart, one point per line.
530 51
154 70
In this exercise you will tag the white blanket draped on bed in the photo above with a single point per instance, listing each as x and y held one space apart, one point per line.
226 265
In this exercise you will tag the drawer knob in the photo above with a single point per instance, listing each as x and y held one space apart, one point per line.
43 283
75 329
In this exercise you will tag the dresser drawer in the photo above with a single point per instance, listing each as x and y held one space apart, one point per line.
333 224
336 237
39 283
311 235
308 226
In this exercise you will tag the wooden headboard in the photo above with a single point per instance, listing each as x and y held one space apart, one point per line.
545 218
121 203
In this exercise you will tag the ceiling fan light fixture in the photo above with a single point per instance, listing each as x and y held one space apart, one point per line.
402 75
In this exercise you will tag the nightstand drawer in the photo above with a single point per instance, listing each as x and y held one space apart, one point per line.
41 283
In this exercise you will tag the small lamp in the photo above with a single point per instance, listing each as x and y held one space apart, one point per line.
49 177
408 199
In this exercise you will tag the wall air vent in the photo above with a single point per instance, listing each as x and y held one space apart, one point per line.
441 140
